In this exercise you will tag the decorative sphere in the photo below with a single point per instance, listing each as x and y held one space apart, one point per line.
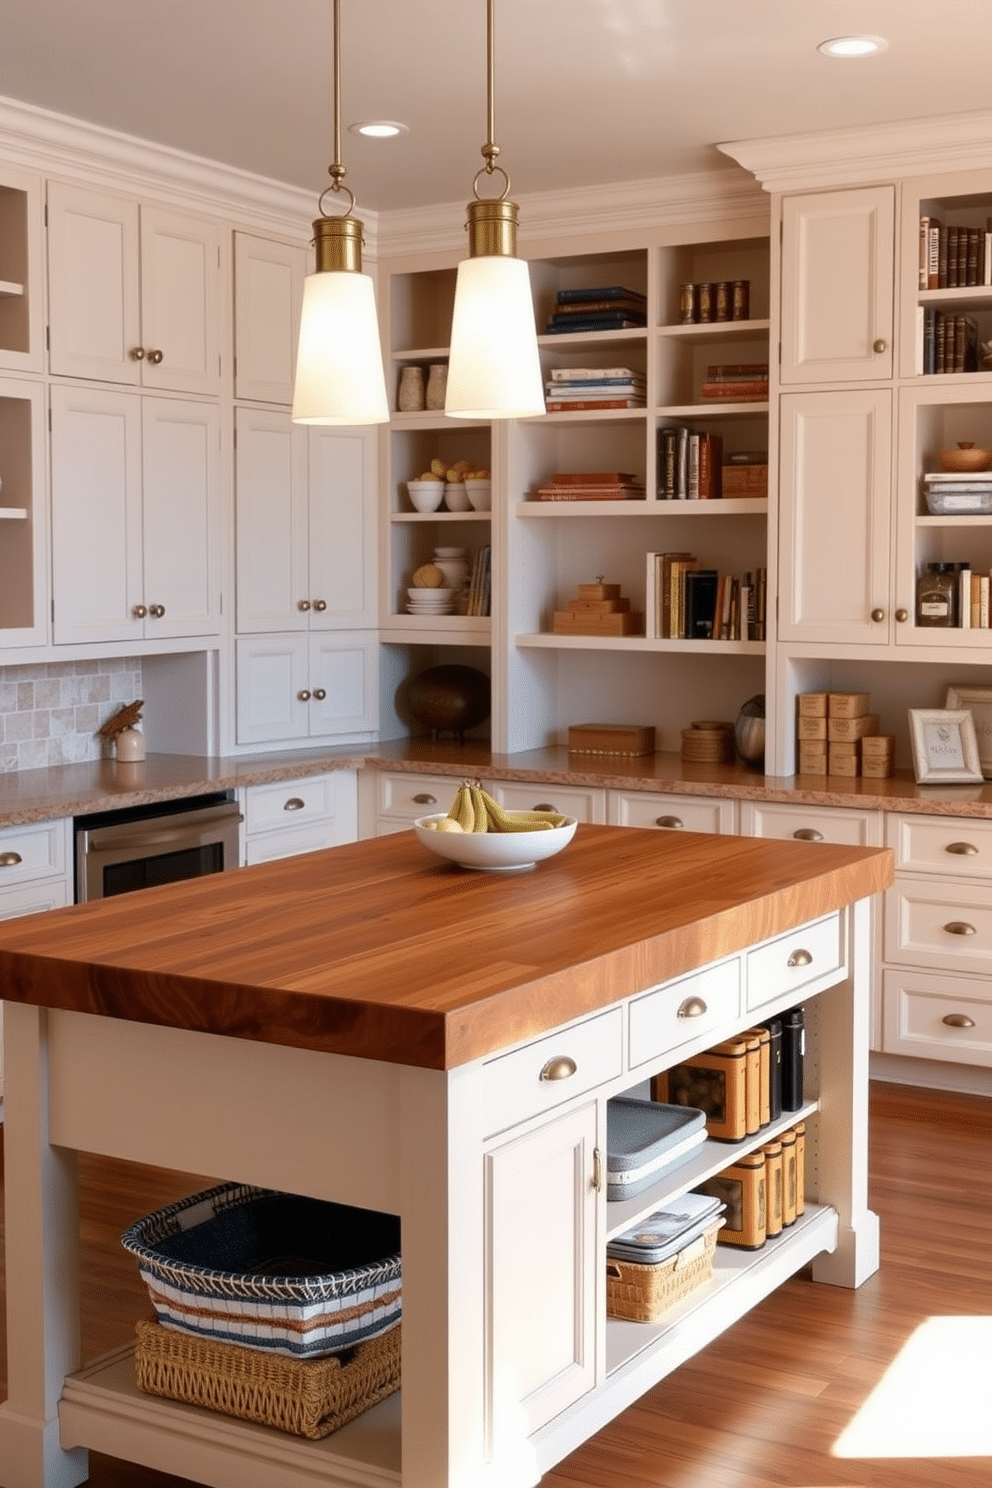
448 699
749 732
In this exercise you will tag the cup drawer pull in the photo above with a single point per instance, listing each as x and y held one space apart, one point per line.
673 823
293 804
10 859
960 927
425 799
807 834
693 1007
958 1020
799 958
559 1068
963 849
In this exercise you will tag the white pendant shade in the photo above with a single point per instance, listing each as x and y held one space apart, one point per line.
339 376
494 370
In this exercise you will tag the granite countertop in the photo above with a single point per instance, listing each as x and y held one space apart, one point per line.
77 790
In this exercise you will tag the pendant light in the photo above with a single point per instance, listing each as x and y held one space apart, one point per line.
494 370
339 376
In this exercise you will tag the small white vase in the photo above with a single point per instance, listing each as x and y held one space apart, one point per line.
130 746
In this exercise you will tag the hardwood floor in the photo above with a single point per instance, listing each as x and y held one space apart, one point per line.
763 1406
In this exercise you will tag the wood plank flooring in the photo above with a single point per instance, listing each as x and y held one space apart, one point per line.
763 1406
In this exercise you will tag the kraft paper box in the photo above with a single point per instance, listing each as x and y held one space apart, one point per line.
839 729
812 728
878 746
847 704
812 705
844 759
812 759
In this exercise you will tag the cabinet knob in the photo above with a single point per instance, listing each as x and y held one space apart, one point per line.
139 612
960 927
902 616
878 616
293 804
319 694
958 1020
962 849
544 806
799 958
559 1068
320 605
10 859
304 604
154 357
425 799
304 696
807 834
156 611
880 346
673 823
693 1007
137 353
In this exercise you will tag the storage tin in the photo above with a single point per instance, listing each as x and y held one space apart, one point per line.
645 1140
789 1175
774 1188
742 1188
713 1082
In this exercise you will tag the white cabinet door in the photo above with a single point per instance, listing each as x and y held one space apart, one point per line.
342 528
135 509
344 683
292 687
268 294
540 1313
837 285
835 542
136 293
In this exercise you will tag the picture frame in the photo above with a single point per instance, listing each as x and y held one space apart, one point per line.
945 748
978 701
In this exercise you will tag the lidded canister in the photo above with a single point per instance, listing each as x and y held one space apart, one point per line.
800 1131
937 591
774 1188
790 1189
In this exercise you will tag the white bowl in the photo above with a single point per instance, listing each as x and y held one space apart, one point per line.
480 494
500 852
455 496
438 593
426 496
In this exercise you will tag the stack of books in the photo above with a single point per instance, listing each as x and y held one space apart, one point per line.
949 342
480 583
954 256
574 389
608 307
591 485
737 382
690 465
687 602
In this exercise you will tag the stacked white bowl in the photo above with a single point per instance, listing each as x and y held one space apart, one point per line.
430 601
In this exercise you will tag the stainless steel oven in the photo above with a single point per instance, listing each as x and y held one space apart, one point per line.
136 848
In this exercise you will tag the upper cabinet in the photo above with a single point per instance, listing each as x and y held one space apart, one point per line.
137 294
837 286
268 295
20 272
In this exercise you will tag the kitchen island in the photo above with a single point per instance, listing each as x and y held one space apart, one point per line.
373 1026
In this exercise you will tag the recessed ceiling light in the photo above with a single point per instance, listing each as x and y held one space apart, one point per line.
853 46
379 129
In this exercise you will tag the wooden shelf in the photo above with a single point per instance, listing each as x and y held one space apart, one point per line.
545 640
10 290
711 330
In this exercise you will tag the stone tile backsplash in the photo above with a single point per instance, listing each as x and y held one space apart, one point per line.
50 712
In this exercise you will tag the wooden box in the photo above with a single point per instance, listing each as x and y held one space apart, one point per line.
578 622
630 739
745 480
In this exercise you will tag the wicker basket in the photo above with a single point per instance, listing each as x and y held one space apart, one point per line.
642 1293
270 1271
309 1397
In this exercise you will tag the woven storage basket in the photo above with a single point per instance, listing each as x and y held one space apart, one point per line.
642 1293
309 1397
270 1271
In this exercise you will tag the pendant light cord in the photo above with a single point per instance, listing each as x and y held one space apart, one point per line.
490 150
337 170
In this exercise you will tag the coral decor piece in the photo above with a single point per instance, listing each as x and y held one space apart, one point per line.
124 718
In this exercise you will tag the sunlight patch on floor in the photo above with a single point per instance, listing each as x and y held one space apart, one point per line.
935 1399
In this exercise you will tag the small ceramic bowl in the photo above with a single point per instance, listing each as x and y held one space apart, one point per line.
455 496
497 852
437 594
480 494
426 496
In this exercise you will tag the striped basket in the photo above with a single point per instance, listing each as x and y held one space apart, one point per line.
270 1271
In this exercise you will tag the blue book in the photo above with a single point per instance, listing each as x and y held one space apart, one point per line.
601 292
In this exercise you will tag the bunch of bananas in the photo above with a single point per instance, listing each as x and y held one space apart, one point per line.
474 810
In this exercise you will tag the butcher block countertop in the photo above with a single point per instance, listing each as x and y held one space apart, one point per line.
378 949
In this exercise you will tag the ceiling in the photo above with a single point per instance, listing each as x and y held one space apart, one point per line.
587 91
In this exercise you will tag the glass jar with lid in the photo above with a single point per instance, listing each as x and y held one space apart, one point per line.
937 595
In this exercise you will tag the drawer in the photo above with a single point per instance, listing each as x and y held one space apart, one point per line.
958 847
672 813
35 898
520 1085
312 836
585 803
406 797
812 823
929 922
800 962
36 851
937 1017
677 1013
288 803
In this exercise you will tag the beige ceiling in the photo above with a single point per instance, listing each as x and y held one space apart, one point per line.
587 91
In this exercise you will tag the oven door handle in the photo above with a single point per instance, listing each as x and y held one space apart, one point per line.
109 839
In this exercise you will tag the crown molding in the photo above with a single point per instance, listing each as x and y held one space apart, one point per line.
641 206
911 147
